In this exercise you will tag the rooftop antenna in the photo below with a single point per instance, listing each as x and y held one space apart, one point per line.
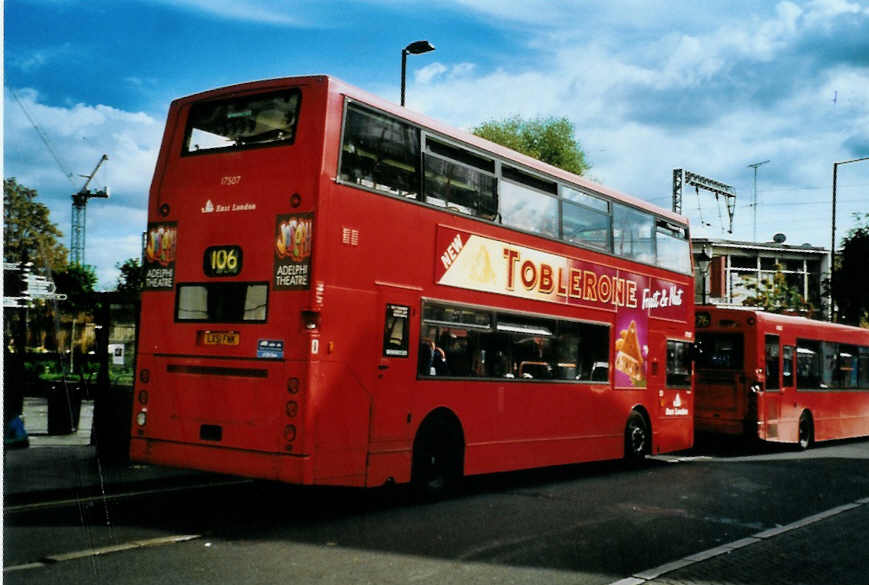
754 205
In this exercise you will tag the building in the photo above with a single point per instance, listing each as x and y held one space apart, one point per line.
726 270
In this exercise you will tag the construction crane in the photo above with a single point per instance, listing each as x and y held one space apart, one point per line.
79 214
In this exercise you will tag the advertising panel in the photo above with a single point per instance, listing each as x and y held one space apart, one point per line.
160 246
293 241
475 262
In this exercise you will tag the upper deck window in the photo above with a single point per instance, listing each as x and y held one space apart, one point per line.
460 180
381 153
633 234
673 248
242 122
585 219
525 203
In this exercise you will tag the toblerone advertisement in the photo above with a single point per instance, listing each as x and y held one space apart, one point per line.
475 262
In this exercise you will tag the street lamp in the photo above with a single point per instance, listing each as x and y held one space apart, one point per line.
703 260
415 48
833 239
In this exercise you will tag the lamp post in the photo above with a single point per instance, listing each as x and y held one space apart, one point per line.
703 260
833 238
415 48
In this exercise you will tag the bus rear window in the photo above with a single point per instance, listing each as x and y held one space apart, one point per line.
222 302
242 122
720 351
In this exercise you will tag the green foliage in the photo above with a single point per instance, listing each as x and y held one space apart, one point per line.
775 296
132 278
550 140
77 282
28 233
851 274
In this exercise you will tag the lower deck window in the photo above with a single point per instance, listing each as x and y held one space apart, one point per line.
678 363
477 343
222 302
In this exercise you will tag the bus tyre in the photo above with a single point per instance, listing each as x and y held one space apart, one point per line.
436 471
637 438
806 431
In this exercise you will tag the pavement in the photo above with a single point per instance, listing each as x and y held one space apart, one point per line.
823 548
61 467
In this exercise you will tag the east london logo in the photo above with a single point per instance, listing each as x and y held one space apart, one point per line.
221 208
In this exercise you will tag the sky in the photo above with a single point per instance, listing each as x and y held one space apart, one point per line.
708 86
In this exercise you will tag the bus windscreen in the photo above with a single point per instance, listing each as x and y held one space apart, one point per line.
720 351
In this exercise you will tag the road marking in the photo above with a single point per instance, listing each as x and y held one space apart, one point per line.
112 497
104 550
642 577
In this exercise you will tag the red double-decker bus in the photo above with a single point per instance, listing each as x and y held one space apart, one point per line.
780 378
340 291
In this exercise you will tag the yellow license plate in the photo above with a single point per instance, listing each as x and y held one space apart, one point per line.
219 337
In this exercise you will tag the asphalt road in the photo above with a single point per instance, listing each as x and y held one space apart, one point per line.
593 523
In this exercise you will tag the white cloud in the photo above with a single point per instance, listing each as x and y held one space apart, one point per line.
719 128
80 135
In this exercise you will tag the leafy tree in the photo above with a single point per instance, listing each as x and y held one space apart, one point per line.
77 282
28 233
132 278
550 140
776 296
851 274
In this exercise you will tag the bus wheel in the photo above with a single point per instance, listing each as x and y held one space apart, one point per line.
806 431
637 439
437 466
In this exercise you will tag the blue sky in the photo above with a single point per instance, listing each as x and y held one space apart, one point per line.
707 86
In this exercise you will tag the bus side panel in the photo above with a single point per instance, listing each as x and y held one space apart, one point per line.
340 408
341 389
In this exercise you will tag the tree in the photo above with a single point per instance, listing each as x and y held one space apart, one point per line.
550 140
776 296
851 274
28 233
132 278
77 282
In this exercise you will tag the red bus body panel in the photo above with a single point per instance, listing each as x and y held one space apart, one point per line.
355 413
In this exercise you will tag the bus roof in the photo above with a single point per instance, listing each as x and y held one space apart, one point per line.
338 86
780 319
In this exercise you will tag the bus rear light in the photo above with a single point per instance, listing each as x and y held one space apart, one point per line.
145 376
295 200
290 433
292 408
164 210
143 397
293 385
142 417
311 319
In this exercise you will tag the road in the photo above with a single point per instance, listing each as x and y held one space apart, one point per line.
583 524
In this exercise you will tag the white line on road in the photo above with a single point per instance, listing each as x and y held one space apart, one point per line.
650 574
111 497
94 552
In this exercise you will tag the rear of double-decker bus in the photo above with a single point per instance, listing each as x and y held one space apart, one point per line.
230 310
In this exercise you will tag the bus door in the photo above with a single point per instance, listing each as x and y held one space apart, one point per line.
395 365
769 406
720 384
